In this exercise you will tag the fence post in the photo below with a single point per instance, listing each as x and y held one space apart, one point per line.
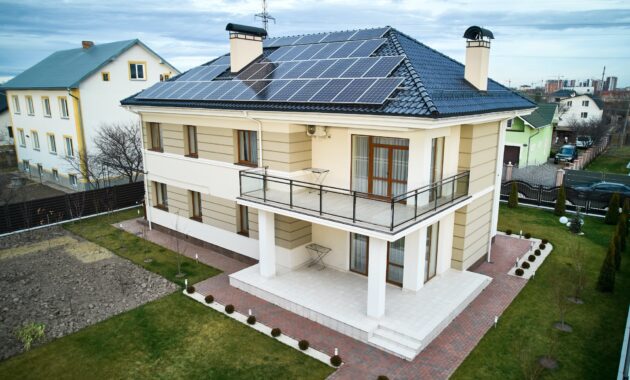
508 171
559 177
540 188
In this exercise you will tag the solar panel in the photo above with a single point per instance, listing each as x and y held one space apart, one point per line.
281 69
360 67
353 91
310 52
317 69
308 90
327 50
368 34
146 94
191 73
297 50
165 88
384 67
311 39
212 72
249 71
339 36
299 69
279 53
368 48
233 92
269 90
284 41
330 90
254 88
218 89
336 69
224 60
289 90
380 91
347 49
178 92
265 71
200 91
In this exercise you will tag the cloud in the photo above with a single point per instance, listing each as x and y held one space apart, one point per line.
534 40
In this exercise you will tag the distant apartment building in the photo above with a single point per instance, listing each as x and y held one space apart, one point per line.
58 105
610 84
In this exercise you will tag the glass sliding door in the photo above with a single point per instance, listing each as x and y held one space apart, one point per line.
359 245
395 261
380 165
360 166
431 252
437 165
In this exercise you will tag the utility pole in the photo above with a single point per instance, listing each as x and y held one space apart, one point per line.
265 16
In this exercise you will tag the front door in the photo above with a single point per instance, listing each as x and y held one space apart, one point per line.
388 163
511 154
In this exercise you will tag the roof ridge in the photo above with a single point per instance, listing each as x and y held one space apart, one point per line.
329 32
426 98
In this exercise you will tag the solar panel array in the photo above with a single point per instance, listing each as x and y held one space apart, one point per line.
319 68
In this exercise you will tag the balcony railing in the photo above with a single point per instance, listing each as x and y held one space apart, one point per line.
386 214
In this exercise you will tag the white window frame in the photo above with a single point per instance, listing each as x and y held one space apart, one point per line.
30 107
63 107
585 103
74 181
35 136
52 143
584 115
46 106
69 146
27 165
22 137
16 104
133 70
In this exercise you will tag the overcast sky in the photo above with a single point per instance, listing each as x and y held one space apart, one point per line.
535 40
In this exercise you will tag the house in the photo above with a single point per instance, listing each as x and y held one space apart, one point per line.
574 109
360 168
529 138
58 105
6 133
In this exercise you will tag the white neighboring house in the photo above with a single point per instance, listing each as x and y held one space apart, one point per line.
348 140
5 121
574 107
58 105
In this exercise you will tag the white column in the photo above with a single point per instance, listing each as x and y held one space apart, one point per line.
415 256
267 243
445 243
497 178
377 270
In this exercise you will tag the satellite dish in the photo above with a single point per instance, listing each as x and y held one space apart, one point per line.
564 220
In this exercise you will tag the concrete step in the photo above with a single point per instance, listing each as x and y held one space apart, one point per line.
395 336
392 347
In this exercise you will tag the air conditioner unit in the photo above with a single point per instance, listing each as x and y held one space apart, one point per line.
316 131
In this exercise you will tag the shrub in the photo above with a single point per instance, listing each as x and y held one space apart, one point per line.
626 206
519 272
508 232
276 332
525 265
542 247
229 308
527 235
335 360
531 258
190 289
606 279
537 252
617 240
619 231
30 333
544 241
561 200
382 377
209 299
612 215
251 320
623 224
303 344
513 199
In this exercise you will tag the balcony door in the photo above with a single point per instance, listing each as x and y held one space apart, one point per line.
359 254
380 165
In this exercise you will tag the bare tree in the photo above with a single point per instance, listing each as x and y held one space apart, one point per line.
594 128
561 289
90 166
578 274
119 147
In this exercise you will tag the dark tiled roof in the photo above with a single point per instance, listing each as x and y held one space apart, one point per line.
543 116
433 86
4 105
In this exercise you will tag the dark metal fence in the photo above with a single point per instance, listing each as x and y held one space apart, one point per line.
38 212
544 196
574 178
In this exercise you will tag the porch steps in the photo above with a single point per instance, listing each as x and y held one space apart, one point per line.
395 343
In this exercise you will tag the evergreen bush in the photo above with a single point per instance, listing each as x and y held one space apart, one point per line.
612 215
276 332
606 280
617 240
513 199
209 299
303 344
561 200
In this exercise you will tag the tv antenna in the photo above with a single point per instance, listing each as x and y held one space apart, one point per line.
265 16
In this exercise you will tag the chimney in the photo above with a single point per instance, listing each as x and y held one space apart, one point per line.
477 56
246 44
87 44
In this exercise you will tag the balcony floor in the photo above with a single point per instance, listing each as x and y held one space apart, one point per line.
370 213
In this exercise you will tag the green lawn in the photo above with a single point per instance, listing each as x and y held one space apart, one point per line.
171 338
524 331
613 160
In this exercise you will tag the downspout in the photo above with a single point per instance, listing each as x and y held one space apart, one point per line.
529 145
81 136
260 147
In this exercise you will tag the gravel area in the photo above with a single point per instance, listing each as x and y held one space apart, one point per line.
53 277
544 174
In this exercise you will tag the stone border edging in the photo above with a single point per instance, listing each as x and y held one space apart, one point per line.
315 354
533 266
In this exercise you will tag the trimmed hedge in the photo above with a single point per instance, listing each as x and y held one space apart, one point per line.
531 258
525 265
537 252
527 235
303 344
508 232
276 332
229 308
190 289
335 360
209 299
519 272
251 320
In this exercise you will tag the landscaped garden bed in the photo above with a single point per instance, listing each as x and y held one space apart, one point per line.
527 265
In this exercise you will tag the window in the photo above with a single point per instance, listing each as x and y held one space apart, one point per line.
52 144
137 71
191 140
16 104
40 170
35 136
63 107
55 174
395 261
69 146
585 103
27 166
73 180
22 138
161 196
105 76
430 263
195 203
569 103
156 136
29 106
359 246
584 115
509 123
165 77
248 148
46 106
243 220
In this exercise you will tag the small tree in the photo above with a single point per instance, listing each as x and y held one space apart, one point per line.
612 215
620 231
617 240
561 201
578 274
119 147
606 280
513 199
623 221
561 292
30 333
575 225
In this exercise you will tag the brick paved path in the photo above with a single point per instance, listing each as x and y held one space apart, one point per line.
362 361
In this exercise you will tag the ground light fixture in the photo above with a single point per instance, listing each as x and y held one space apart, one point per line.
564 220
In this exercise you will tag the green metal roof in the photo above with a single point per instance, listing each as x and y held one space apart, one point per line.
68 68
543 116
